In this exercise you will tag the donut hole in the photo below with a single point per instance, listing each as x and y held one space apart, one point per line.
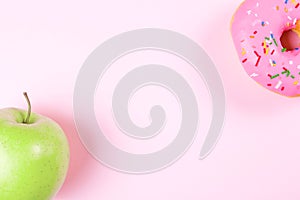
290 40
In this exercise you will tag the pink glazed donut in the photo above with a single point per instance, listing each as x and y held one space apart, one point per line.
266 36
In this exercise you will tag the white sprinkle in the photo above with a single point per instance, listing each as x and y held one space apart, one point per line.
295 21
271 62
257 4
289 18
254 75
249 12
291 62
298 67
278 84
256 15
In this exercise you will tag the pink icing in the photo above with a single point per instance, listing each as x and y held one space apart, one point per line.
257 27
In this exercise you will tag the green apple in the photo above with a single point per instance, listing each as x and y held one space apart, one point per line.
34 155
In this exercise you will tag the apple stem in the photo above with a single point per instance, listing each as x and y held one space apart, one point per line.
29 108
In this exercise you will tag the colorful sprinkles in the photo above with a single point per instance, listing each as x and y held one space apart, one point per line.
270 49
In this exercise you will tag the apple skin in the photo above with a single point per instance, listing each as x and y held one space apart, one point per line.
34 157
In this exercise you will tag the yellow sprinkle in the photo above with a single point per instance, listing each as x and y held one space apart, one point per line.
252 36
277 7
265 47
243 51
286 10
294 2
272 64
296 82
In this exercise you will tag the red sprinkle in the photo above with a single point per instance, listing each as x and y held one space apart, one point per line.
244 60
297 5
269 84
272 51
256 54
282 88
257 61
259 57
254 32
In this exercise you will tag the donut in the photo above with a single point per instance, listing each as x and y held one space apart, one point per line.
266 35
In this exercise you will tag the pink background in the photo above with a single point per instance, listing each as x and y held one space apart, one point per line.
42 48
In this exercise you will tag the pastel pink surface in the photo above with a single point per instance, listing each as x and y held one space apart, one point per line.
257 27
43 45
